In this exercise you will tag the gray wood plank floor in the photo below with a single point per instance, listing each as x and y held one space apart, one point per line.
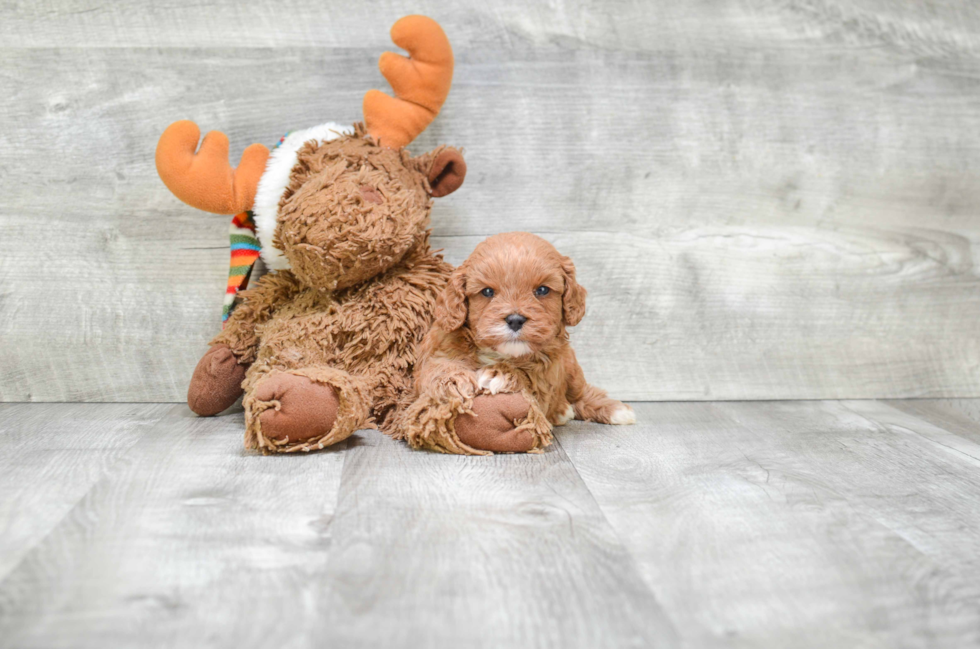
762 524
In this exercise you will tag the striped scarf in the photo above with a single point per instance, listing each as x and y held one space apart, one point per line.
244 251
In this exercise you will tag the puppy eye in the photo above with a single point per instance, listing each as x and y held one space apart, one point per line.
541 291
487 292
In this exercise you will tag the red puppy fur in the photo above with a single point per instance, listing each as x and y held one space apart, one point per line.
496 371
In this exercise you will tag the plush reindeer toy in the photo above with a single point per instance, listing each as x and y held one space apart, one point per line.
325 342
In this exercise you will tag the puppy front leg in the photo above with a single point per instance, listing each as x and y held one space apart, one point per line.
592 403
443 375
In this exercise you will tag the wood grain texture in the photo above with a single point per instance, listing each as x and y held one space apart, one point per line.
635 25
794 524
50 456
959 416
765 199
195 543
766 524
192 542
504 551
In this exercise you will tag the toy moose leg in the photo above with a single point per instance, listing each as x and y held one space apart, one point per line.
290 409
218 377
481 425
452 415
291 404
217 381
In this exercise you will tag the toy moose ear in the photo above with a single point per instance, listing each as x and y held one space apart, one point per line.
421 83
447 172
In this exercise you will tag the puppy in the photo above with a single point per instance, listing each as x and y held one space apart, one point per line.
496 371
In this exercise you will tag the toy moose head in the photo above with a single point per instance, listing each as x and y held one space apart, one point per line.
326 344
357 205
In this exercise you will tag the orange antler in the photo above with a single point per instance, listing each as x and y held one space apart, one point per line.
421 82
206 180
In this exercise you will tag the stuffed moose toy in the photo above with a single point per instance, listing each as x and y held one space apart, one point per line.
325 343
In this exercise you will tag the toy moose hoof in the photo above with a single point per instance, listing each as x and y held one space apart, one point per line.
304 409
217 382
492 426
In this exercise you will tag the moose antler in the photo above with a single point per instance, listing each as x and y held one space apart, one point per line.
421 82
206 180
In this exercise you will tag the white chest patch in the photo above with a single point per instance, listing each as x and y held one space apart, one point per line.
513 348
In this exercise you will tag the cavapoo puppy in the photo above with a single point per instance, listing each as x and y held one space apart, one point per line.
496 371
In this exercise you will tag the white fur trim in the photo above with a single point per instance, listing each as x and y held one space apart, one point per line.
566 416
623 417
274 181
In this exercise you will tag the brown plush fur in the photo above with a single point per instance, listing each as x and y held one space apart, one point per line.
349 315
470 353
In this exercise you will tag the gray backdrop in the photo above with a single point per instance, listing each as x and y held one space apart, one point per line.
766 199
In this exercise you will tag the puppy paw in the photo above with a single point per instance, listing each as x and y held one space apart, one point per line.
623 416
493 424
462 385
494 382
606 411
565 416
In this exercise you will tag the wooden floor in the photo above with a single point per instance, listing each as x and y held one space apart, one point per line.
772 524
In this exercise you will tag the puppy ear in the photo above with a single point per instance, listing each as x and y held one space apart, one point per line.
451 306
573 298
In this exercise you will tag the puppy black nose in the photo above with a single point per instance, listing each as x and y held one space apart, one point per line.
515 321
